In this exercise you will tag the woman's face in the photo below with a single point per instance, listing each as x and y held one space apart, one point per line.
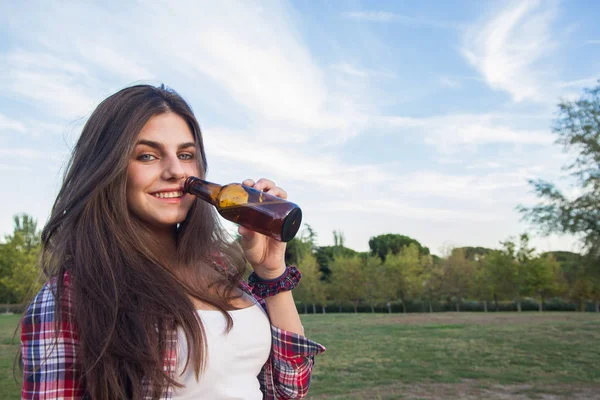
163 157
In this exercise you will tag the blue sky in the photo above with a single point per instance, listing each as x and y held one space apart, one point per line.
424 119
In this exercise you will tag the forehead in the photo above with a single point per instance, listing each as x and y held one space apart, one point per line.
166 128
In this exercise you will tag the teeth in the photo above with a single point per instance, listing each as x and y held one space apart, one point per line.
168 195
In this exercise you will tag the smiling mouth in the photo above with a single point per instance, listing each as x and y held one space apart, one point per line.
168 195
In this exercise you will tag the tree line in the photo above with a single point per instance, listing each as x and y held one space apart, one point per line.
398 269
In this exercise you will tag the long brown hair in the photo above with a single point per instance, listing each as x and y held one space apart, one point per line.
127 298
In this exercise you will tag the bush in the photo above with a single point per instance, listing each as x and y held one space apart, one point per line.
419 306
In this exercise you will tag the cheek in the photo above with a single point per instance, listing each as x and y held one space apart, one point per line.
135 183
192 170
136 177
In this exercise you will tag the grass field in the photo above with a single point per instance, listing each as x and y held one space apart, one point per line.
438 356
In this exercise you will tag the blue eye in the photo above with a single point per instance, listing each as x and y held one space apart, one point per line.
146 157
186 156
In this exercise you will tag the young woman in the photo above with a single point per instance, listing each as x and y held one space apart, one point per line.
145 298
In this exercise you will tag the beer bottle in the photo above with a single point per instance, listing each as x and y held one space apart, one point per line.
251 208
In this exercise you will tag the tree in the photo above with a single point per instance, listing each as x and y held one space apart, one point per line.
338 238
507 268
326 254
310 290
483 284
575 275
375 282
382 245
402 273
432 278
347 280
578 129
543 278
20 276
500 267
458 275
300 246
475 253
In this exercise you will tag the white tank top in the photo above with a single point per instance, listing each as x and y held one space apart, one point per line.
234 359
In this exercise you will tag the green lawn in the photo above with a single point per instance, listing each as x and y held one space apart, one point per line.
438 356
8 386
452 355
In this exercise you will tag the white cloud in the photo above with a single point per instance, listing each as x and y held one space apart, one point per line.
580 83
111 60
508 48
395 208
8 124
385 16
352 70
449 133
15 168
473 189
315 168
268 106
24 153
56 86
249 54
374 16
449 82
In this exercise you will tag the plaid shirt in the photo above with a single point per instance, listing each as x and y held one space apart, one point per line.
51 369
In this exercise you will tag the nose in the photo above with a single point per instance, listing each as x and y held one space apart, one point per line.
173 169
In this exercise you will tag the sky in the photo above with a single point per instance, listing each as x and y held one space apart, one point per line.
425 119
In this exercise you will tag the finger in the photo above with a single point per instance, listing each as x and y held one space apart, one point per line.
248 182
264 184
279 192
247 234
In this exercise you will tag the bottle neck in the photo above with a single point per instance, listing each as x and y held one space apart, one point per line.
205 190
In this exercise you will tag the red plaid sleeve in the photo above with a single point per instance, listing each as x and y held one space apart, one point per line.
50 368
287 373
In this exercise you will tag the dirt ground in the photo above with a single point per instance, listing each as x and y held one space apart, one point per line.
490 318
471 390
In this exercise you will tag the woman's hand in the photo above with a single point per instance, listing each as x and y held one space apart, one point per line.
266 255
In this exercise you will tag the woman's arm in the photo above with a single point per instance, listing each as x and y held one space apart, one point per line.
283 312
286 375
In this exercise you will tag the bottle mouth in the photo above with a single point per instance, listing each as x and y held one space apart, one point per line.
188 183
291 225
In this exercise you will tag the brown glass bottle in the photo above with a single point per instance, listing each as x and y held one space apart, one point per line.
251 208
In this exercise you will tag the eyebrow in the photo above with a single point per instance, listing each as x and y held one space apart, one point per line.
159 146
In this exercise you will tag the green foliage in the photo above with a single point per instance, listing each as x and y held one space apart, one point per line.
300 246
347 280
375 281
326 254
382 245
403 273
508 269
578 129
543 278
19 276
474 253
458 272
311 289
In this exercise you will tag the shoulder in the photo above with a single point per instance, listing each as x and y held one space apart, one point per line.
42 308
